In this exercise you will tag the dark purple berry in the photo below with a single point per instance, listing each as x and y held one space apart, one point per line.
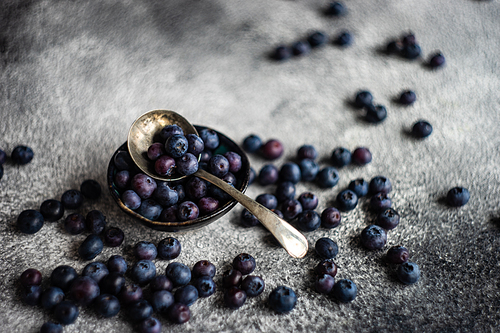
343 39
282 299
156 150
131 199
231 278
373 237
375 113
458 196
324 283
84 290
63 276
205 285
252 176
31 277
95 270
145 251
300 48
361 156
139 311
165 195
90 189
74 224
178 313
268 175
66 312
187 164
51 297
398 254
326 266
394 47
347 200
359 186
253 285
178 273
437 60
52 210
50 327
285 191
117 264
170 130
408 272
210 138
248 219
72 199
90 247
107 306
308 200
218 165
252 143
162 300
308 220
281 52
380 202
176 145
317 39
327 177
143 185
188 210
112 283
123 161
143 272
345 290
208 205
186 294
196 188
267 200
169 214
113 237
380 184
330 218
290 172
150 209
169 248
291 208
195 144
95 221
244 263
161 282
165 165
421 129
326 248
22 155
234 298
150 325
30 221
407 97
31 295
205 156
203 268
411 52
272 149
335 8
363 99
341 157
130 294
234 160
388 219
308 170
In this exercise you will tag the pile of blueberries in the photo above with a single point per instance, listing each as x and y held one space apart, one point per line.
407 47
20 155
185 199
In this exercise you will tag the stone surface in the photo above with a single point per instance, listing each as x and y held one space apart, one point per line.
75 75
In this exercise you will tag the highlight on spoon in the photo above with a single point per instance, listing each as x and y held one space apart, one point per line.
142 134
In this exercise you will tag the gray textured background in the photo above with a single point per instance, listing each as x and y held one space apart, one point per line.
75 74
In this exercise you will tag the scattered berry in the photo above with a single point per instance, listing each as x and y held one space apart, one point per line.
345 290
282 299
458 196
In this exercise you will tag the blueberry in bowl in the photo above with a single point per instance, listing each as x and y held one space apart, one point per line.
172 218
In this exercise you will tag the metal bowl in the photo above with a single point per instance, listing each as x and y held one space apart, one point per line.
242 176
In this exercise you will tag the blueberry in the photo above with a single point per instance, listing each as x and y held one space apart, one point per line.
95 221
421 129
408 39
361 156
178 273
345 290
308 200
131 199
411 52
84 290
186 294
373 237
375 113
380 202
112 283
308 170
285 191
347 200
324 283
196 188
272 149
30 277
117 264
234 297
122 161
145 251
268 174
187 164
62 277
205 285
282 299
161 282
388 219
394 47
170 130
30 221
317 39
139 311
122 179
169 214
143 272
188 210
72 199
340 157
143 185
229 178
195 144
335 8
150 325
210 138
457 196
231 278
248 219
107 306
363 99
150 209
244 263
343 39
359 186
208 205
408 272
156 150
66 312
52 210
326 266
113 237
31 295
205 156
90 189
90 247
74 224
203 268
50 327
267 200
253 285
252 143
380 184
407 97
22 155
308 220
290 172
300 48
291 208
95 270
165 165
218 193
51 297
181 192
218 165
130 294
176 145
281 52
436 60
326 248
169 248
234 160
397 254
178 313
165 195
162 300
327 177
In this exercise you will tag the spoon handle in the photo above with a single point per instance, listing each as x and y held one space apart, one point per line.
290 238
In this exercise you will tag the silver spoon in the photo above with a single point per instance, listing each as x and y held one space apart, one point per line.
140 137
